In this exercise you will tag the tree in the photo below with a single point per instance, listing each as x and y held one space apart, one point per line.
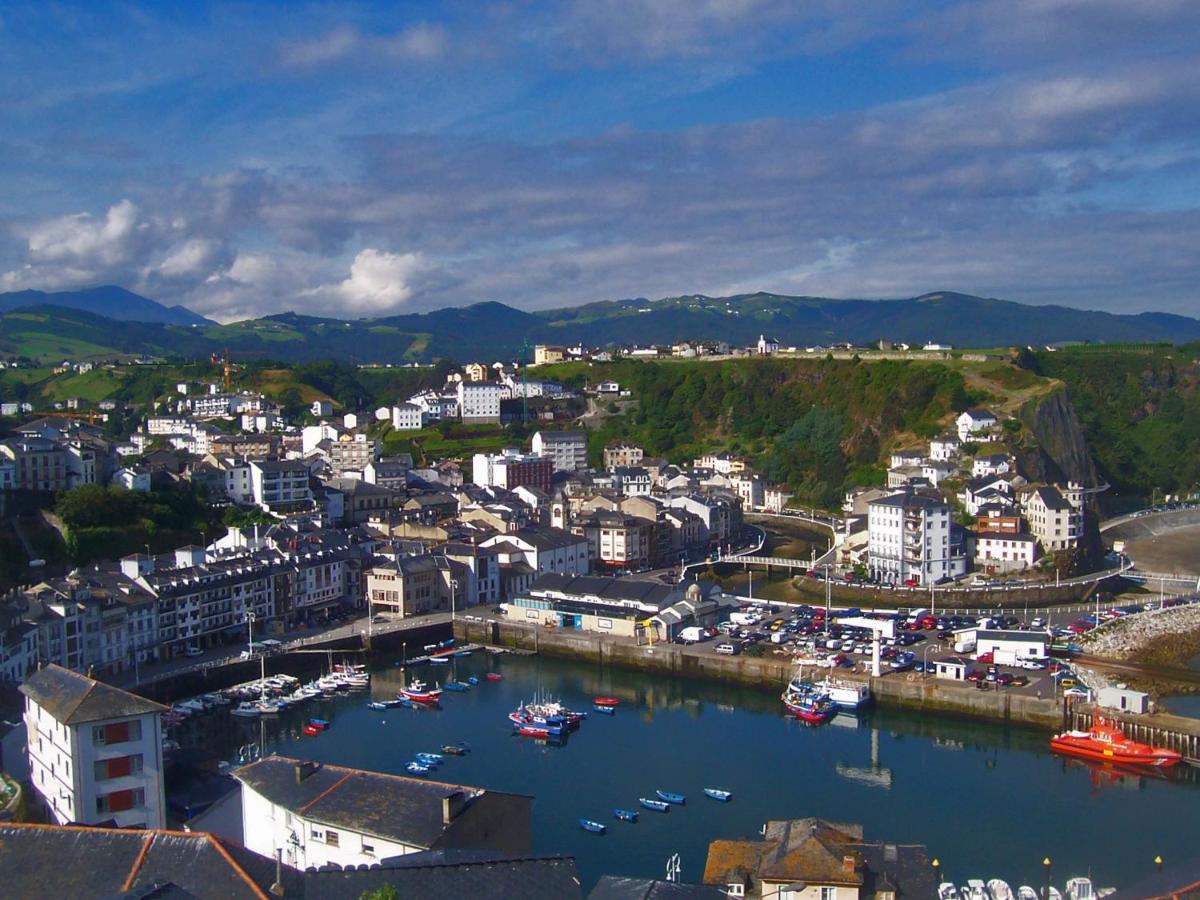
385 892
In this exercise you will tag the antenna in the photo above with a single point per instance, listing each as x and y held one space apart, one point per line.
525 381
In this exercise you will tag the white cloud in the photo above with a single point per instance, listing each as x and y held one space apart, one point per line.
421 42
82 238
380 280
195 256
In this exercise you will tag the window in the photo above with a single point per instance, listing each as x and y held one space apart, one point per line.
119 801
735 890
828 893
120 733
368 849
116 768
318 834
331 838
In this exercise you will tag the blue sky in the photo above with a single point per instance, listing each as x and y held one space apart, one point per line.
367 159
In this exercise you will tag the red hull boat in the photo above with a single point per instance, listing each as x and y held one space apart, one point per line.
1106 742
606 701
493 676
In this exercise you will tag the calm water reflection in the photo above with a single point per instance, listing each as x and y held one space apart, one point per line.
989 801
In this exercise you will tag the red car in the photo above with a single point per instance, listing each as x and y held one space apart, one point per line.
911 582
927 623
984 657
976 675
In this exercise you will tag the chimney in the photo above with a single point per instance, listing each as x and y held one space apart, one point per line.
277 887
848 864
304 769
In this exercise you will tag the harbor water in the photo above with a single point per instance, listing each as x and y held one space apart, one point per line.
987 800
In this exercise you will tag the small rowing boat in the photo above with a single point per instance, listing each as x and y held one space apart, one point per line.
625 815
454 749
670 797
416 768
312 730
472 681
456 686
656 805
594 827
319 723
606 710
493 676
606 701
718 794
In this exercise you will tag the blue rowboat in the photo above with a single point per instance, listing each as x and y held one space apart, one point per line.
718 794
416 768
607 710
472 681
430 757
320 723
671 798
625 815
594 827
456 686
656 805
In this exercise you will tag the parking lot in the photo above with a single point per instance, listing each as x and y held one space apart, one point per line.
809 636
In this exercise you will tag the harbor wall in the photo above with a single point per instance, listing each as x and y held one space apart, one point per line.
912 691
309 660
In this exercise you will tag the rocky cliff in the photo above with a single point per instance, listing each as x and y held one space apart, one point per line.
1054 448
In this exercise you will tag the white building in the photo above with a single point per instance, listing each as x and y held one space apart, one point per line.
407 417
320 814
321 408
976 425
1009 646
95 751
544 550
944 448
276 484
995 552
766 346
568 449
132 479
909 540
1056 522
990 464
480 402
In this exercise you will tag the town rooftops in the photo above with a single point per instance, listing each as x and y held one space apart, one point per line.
408 810
53 861
909 500
109 863
615 887
74 699
1051 498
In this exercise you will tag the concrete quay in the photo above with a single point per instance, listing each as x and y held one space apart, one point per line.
910 690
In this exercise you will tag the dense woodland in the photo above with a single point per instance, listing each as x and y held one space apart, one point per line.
1140 410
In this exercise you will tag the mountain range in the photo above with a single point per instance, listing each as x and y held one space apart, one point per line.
108 301
111 320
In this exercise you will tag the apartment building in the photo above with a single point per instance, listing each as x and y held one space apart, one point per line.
1052 517
511 468
279 485
39 464
568 449
95 751
909 540
623 454
480 401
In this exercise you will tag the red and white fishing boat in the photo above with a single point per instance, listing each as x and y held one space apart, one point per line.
418 692
1106 742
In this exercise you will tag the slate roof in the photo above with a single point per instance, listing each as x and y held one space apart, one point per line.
614 887
533 878
81 863
73 698
1052 499
392 807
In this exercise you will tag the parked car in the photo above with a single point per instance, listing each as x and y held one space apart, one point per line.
1038 623
1004 679
193 651
976 675
726 648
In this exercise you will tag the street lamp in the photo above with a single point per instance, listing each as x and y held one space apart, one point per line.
1046 878
937 866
